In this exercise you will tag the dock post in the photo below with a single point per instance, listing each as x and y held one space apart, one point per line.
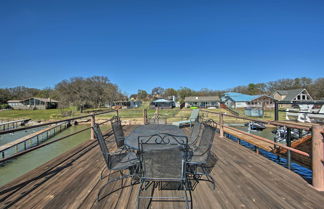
93 121
276 116
318 157
221 130
3 155
145 116
288 141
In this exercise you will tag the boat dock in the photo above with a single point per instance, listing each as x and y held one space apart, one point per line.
243 178
13 124
31 140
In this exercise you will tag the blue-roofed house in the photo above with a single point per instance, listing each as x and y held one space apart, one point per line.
237 100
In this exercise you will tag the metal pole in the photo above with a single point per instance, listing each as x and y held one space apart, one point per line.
93 121
276 116
221 130
318 157
288 141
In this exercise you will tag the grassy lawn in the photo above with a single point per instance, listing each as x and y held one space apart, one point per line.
135 114
43 115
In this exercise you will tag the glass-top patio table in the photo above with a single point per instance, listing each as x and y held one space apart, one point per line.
151 129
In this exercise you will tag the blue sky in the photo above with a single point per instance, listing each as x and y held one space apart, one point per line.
145 44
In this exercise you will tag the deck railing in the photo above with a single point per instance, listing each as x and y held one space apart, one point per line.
317 143
91 116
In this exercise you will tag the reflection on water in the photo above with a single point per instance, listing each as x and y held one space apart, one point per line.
29 161
266 133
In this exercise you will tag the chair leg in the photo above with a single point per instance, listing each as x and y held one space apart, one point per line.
209 177
197 176
186 196
111 181
101 173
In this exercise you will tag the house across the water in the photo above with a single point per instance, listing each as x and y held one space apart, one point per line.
237 100
33 103
262 101
292 95
202 101
163 104
128 104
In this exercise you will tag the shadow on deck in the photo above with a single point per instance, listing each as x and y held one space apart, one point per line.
243 180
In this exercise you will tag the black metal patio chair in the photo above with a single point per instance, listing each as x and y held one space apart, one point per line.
117 162
195 134
163 158
198 164
118 132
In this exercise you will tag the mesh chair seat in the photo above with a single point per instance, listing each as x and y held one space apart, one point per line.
123 161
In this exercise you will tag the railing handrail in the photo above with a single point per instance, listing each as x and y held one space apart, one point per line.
265 140
31 137
270 142
48 143
55 122
13 121
274 123
234 116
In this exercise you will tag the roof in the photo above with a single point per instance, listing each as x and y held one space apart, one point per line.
14 100
290 94
44 99
238 97
259 96
202 99
161 100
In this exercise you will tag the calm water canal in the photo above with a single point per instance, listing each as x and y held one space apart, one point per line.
29 161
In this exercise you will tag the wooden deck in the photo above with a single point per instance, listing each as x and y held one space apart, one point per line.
243 180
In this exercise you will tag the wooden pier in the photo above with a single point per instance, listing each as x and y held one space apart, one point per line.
12 124
31 140
243 180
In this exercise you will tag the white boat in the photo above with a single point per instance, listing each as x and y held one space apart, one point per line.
306 113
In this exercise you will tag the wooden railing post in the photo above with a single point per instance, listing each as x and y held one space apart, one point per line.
221 128
318 157
145 116
93 121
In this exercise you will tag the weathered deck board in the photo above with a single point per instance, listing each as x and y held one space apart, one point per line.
243 180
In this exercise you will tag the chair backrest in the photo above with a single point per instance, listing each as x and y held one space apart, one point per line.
163 157
195 132
118 131
102 144
207 137
194 115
